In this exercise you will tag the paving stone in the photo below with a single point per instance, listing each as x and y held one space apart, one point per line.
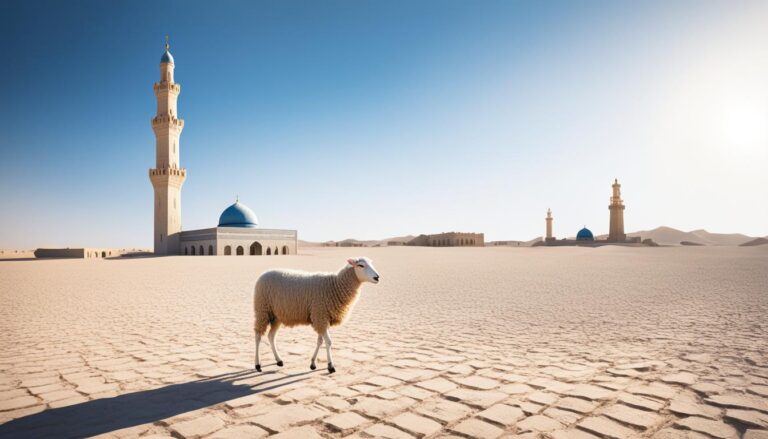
565 417
18 403
240 431
445 411
750 418
756 434
380 408
640 402
708 388
417 425
685 378
673 433
632 416
344 422
476 428
608 428
739 401
383 381
198 427
543 398
477 398
333 403
414 392
502 414
386 432
716 429
305 432
539 423
577 405
439 385
590 392
282 418
477 382
571 434
656 390
688 408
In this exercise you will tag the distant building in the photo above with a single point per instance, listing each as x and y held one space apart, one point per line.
450 239
85 253
584 236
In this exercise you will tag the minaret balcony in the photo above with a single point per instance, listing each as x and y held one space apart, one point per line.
167 86
178 172
167 120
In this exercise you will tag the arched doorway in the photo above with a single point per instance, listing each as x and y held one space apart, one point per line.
255 249
193 250
227 250
202 251
285 249
269 251
276 252
186 251
240 251
210 250
103 254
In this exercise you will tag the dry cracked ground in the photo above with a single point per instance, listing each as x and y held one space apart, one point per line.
478 342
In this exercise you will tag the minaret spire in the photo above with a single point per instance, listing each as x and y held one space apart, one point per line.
167 46
549 236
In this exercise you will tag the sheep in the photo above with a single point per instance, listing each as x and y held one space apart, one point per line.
292 298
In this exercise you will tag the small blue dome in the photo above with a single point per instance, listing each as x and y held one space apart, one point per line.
167 58
238 215
585 235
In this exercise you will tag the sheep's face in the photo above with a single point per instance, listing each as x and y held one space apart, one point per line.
364 270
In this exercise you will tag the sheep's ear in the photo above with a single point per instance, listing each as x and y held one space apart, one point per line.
351 261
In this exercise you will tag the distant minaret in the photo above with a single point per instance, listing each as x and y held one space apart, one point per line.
616 232
549 225
167 177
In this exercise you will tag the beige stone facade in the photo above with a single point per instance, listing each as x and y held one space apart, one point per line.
450 239
237 241
84 253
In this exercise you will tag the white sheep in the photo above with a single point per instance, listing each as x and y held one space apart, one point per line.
292 298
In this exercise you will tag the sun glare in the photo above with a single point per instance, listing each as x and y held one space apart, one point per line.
745 127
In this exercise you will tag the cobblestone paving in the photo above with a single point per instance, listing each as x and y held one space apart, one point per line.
531 343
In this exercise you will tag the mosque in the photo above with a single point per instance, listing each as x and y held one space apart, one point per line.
585 237
237 232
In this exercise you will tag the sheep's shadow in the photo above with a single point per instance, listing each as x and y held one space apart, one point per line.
108 414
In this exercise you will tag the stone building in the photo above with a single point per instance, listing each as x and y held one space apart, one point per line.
450 239
237 232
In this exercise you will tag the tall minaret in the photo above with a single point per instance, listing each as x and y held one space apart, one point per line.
549 225
616 231
167 177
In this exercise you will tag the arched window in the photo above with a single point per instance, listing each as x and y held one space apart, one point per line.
255 249
269 251
192 250
202 251
210 250
285 249
186 251
227 250
103 254
240 251
275 252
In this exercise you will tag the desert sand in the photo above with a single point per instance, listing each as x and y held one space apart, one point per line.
577 343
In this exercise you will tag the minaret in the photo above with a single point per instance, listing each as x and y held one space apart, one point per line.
616 231
549 226
167 177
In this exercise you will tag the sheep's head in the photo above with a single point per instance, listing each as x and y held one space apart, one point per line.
364 270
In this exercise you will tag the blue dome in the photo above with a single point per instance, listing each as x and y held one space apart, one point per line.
238 215
167 58
585 235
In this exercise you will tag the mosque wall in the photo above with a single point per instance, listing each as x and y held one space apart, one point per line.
234 241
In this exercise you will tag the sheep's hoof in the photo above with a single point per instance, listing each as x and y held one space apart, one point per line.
280 363
312 366
331 369
258 368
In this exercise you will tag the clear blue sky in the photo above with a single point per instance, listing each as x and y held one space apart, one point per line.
381 118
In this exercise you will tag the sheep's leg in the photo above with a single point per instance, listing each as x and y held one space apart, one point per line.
327 338
317 349
272 331
258 341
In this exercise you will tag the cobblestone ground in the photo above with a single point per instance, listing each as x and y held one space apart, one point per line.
483 342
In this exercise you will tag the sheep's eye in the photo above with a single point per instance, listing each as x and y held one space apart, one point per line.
361 266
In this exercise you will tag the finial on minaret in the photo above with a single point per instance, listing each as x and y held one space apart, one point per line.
237 198
167 46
